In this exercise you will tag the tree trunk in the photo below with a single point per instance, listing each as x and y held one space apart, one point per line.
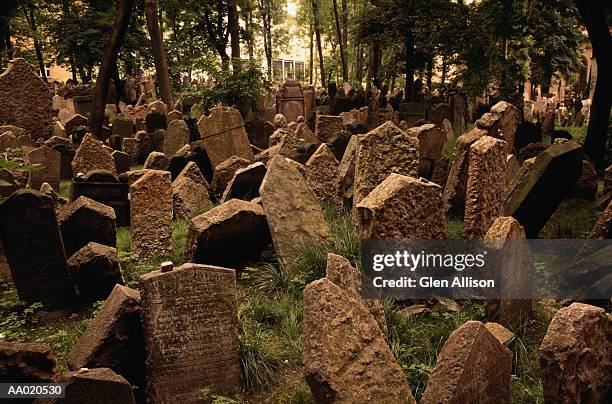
234 29
340 42
249 29
317 29
159 54
344 25
28 11
593 14
311 55
109 58
376 62
409 60
359 65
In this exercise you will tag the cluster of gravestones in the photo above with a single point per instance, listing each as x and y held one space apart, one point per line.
179 333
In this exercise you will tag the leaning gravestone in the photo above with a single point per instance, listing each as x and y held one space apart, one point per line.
245 183
321 172
49 169
26 100
93 386
190 323
33 247
113 339
536 195
575 356
290 101
514 275
327 127
66 150
346 173
382 214
177 136
412 112
151 215
95 270
431 142
223 135
292 209
190 192
92 155
473 367
508 121
104 187
346 358
26 362
383 151
485 186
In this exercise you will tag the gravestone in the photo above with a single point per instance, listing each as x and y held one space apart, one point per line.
49 169
158 106
346 357
382 214
309 102
233 234
26 100
8 141
94 386
58 102
439 112
245 183
155 121
506 239
508 121
412 112
25 140
535 196
321 172
177 136
328 127
67 152
292 209
190 192
456 184
512 167
34 250
92 155
190 323
123 127
114 339
473 367
224 172
95 270
383 151
223 135
151 215
258 132
575 356
431 141
122 161
290 101
346 173
75 122
485 186
157 161
105 188
130 146
173 116
22 362
83 104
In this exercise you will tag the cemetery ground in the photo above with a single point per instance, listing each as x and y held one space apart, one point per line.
271 313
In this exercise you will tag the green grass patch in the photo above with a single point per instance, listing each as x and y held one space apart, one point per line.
573 219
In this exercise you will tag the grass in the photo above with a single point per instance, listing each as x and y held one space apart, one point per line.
573 219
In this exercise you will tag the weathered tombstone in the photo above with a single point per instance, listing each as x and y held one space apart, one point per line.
245 183
382 214
346 173
431 141
130 146
105 188
233 234
473 367
25 140
25 99
58 129
290 100
224 173
94 386
198 302
122 161
151 215
114 339
512 167
309 102
292 209
485 186
328 127
412 112
439 112
155 121
123 127
548 123
383 151
586 185
456 184
26 362
157 161
536 195
66 150
321 173
346 358
447 127
95 270
190 192
490 123
506 238
575 356
83 104
92 155
173 116
508 121
177 136
48 171
76 121
258 132
159 106
8 141
58 102
33 247
223 135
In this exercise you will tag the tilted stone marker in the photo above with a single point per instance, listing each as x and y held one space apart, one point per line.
346 358
485 186
94 386
328 127
190 323
508 121
151 215
95 270
157 161
402 207
26 100
575 356
245 183
292 209
190 192
26 362
290 100
104 187
473 367
431 142
515 277
33 247
346 173
224 173
383 151
232 234
92 155
177 136
49 169
114 339
224 136
321 173
538 193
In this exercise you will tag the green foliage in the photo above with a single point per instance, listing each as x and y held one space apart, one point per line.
16 318
573 219
454 228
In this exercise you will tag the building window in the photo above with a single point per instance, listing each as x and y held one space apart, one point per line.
277 69
299 71
289 69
